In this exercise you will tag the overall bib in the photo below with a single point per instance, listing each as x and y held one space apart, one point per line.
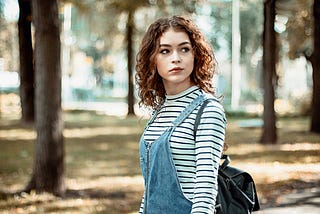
163 193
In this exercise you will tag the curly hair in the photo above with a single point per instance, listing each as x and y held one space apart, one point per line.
150 86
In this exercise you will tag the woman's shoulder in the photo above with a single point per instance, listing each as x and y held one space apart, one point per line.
213 101
214 107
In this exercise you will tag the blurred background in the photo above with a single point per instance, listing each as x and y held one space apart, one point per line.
268 75
94 50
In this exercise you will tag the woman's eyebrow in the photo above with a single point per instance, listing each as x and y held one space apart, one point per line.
181 44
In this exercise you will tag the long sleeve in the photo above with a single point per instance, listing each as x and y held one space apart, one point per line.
208 149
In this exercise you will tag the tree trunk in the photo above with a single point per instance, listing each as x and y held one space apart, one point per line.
315 60
269 135
130 27
26 62
48 169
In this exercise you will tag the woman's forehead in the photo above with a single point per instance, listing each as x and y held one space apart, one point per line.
172 36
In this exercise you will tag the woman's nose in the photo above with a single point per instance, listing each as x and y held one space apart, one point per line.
176 57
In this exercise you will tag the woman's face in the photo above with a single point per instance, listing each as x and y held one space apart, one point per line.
175 61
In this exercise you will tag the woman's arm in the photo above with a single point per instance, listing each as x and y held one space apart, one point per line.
209 139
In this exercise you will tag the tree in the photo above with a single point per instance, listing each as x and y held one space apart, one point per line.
48 168
315 60
303 39
269 135
26 62
130 7
130 57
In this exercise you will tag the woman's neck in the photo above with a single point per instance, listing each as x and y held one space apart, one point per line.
181 94
173 89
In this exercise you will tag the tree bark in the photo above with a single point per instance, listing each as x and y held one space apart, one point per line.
315 60
26 62
130 27
269 135
48 169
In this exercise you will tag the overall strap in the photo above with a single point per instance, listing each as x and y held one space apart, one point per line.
185 113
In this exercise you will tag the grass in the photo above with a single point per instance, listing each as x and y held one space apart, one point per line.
102 163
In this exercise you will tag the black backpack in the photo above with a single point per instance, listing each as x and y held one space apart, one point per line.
236 189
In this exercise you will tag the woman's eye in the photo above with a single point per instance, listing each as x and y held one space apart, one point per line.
185 50
164 51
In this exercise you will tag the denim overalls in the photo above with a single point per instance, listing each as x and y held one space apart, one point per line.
163 193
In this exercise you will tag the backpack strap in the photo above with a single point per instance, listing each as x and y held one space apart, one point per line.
225 157
197 121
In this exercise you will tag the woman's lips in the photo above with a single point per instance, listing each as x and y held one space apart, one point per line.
176 69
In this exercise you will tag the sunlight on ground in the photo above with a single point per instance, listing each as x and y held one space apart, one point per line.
134 183
17 134
22 134
299 146
241 149
91 132
274 172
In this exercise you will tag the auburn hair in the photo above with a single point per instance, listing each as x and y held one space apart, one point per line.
150 86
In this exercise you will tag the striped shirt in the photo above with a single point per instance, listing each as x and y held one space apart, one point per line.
196 158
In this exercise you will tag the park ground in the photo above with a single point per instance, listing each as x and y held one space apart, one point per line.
102 163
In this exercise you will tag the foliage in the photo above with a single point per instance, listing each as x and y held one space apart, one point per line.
221 26
8 42
299 26
1 10
251 25
93 20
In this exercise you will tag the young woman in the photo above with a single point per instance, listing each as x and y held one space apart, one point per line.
175 66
